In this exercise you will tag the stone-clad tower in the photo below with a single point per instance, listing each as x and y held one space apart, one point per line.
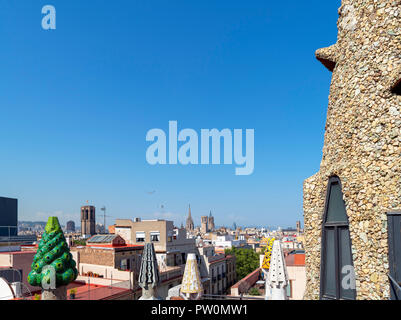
189 223
359 181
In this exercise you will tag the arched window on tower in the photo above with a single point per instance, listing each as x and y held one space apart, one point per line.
337 278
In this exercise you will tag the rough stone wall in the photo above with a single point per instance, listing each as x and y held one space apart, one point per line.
97 256
361 143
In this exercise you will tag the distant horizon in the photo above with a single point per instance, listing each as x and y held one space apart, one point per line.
77 225
78 101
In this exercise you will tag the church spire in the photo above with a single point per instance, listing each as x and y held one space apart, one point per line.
189 223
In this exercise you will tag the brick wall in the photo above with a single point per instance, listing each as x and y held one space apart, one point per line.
96 256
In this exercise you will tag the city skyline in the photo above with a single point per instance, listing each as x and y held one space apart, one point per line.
156 216
93 87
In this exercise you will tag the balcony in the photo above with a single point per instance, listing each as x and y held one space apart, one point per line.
169 273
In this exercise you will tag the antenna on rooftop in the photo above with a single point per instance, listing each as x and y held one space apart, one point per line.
104 217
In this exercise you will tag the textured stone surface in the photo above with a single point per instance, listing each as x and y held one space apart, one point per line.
57 294
362 141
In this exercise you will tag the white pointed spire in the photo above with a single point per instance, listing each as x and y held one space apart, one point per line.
277 277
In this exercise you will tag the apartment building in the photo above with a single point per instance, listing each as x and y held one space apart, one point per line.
231 271
295 263
16 264
171 244
107 258
220 269
227 241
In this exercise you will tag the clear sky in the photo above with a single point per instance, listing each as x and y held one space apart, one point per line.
76 104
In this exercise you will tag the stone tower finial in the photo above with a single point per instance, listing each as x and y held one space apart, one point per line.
149 277
191 287
358 178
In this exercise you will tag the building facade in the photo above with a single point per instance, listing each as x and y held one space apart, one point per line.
108 260
171 244
20 261
218 268
8 217
70 226
295 264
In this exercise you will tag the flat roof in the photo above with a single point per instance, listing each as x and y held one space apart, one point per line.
86 291
17 252
110 246
104 238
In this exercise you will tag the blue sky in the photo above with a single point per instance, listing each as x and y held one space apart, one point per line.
76 104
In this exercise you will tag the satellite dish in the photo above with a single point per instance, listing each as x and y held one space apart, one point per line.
6 292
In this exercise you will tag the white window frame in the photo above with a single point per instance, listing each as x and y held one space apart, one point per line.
155 233
144 236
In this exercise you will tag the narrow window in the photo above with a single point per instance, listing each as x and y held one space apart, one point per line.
123 264
289 289
337 273
394 253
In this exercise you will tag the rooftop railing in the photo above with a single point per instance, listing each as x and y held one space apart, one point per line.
226 297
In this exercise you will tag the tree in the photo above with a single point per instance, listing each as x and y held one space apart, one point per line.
79 242
254 292
53 262
247 261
